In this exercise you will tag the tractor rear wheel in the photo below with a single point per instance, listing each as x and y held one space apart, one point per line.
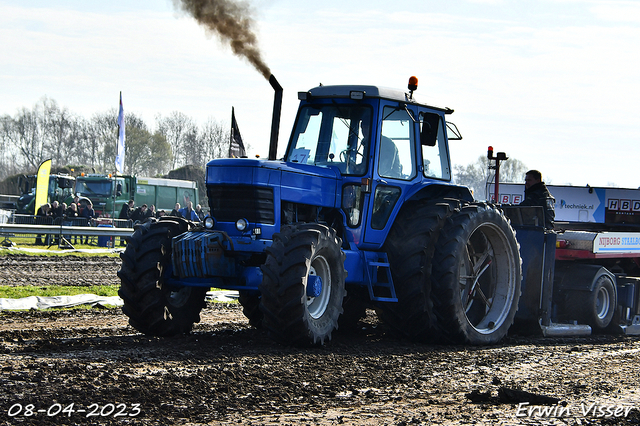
303 284
153 307
477 275
410 249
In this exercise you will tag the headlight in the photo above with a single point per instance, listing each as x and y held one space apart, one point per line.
242 224
209 222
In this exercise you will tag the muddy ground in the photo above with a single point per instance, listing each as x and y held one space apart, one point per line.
228 373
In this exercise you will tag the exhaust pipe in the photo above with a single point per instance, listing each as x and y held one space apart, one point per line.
275 120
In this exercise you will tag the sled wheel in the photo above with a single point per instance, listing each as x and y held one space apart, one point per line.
596 307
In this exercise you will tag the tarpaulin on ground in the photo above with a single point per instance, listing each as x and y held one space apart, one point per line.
41 302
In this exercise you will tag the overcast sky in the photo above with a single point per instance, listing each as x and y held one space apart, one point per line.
553 83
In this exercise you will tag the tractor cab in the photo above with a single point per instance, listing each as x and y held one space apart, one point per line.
386 146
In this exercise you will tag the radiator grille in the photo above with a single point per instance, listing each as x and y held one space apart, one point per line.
229 203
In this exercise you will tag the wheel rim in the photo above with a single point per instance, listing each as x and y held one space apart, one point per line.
487 278
602 303
318 305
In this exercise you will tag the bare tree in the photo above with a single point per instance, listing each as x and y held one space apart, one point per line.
214 139
8 155
145 153
177 128
26 135
192 147
56 124
80 134
48 130
102 139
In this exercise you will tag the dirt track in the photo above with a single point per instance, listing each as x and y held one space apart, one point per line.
228 373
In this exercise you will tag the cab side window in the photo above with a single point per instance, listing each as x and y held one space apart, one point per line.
435 158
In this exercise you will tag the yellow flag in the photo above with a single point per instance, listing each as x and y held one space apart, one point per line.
42 184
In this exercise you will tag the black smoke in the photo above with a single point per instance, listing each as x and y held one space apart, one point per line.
231 21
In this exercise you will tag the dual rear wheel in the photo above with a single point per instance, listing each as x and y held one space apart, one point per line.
457 272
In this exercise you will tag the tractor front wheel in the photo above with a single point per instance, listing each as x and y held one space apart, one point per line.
153 307
303 284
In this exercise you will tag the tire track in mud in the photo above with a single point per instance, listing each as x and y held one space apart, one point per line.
59 270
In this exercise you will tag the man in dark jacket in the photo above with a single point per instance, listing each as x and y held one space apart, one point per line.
537 194
127 209
56 210
139 214
89 214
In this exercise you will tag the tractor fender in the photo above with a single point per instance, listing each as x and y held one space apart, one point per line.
438 190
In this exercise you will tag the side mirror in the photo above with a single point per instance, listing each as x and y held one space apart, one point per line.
118 189
429 129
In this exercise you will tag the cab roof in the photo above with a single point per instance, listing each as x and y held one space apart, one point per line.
344 91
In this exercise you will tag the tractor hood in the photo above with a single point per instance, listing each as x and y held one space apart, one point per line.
300 183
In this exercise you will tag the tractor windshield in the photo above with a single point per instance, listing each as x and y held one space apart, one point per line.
332 135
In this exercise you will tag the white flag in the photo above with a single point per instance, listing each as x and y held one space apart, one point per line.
120 152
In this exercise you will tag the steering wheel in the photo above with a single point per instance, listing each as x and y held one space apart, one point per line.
346 154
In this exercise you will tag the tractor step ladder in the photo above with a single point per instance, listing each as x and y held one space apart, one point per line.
376 263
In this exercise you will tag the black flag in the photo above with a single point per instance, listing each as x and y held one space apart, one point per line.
236 147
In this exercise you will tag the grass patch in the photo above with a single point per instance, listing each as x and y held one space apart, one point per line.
18 292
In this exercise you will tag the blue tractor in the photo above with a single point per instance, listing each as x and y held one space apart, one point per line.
360 213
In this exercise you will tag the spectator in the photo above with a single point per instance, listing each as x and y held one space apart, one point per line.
161 213
89 214
56 210
151 212
139 214
176 211
88 211
189 213
200 212
41 214
127 209
57 213
72 211
44 210
125 214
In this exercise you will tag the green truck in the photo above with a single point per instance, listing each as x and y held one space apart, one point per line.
103 190
60 189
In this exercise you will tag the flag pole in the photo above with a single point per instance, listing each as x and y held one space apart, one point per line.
115 175
233 116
